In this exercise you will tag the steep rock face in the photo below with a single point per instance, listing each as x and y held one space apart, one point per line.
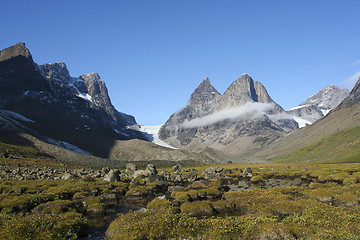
201 103
244 111
204 98
18 50
319 104
353 98
75 110
19 73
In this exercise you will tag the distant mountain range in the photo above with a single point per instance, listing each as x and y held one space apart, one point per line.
44 107
244 119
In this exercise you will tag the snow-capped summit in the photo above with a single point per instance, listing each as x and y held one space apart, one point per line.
327 98
320 104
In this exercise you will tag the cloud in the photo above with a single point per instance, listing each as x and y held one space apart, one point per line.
355 63
249 109
350 82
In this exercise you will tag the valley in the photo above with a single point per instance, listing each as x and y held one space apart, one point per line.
226 166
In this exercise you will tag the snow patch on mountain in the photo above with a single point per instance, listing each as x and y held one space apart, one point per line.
17 116
85 96
153 133
67 146
302 122
298 107
318 105
325 112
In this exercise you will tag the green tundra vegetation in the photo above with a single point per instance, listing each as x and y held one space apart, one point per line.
278 201
326 209
341 147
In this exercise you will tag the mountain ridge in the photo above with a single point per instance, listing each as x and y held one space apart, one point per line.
245 110
62 107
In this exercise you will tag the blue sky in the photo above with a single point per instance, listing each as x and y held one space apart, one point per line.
153 54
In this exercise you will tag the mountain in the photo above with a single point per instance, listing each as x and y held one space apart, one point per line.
319 104
334 138
73 110
244 117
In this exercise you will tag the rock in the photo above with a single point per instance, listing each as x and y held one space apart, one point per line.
109 197
177 168
190 176
112 176
247 172
140 174
155 178
105 170
151 169
130 169
219 169
178 178
176 189
211 172
68 176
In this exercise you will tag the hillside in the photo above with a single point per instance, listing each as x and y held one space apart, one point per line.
335 138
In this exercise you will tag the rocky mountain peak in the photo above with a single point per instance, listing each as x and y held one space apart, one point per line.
327 98
95 85
18 49
319 105
203 93
243 90
98 92
56 71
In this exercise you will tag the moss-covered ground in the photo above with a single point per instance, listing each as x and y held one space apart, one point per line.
328 208
341 147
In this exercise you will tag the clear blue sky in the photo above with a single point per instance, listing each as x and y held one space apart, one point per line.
152 54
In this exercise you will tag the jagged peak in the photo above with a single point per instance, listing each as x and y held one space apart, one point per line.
18 49
56 71
206 79
56 64
94 76
205 89
20 44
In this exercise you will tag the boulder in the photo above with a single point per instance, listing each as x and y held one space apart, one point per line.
151 169
210 172
247 172
177 168
112 176
68 176
130 169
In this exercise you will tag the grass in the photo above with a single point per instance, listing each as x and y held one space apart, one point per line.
327 209
342 147
278 213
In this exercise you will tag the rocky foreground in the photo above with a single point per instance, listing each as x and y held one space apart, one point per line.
68 202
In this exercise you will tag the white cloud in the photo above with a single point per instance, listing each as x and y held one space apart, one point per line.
355 63
350 82
249 109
